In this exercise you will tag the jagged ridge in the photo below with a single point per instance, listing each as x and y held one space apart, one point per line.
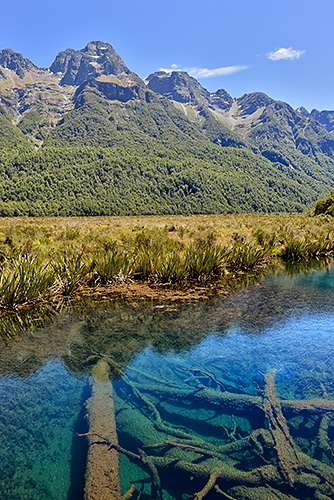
89 109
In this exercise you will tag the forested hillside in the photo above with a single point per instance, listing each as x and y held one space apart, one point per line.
89 137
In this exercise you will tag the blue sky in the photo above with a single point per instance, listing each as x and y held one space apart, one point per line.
283 48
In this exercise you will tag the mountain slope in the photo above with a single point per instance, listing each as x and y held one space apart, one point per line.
11 137
31 96
199 105
272 128
326 118
107 113
145 180
89 137
282 134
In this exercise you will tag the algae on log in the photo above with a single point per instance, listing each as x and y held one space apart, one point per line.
287 454
278 470
102 472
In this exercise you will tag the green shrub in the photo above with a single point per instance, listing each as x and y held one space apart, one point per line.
308 247
171 267
205 261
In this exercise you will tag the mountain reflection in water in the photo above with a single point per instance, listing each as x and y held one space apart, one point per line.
212 392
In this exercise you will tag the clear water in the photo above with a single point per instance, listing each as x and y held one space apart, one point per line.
177 363
38 416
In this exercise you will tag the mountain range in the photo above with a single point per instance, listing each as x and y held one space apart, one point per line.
88 136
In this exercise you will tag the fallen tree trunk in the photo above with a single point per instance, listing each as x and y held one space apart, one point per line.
102 471
277 466
288 462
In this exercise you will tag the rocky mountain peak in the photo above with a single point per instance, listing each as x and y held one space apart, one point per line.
97 58
249 103
181 87
178 86
98 48
16 62
221 99
325 117
303 111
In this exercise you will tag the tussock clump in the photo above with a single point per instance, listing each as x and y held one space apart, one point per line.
41 259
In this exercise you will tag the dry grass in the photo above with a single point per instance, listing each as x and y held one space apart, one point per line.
64 254
57 232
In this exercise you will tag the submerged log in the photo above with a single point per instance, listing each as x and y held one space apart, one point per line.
287 455
284 469
102 471
284 473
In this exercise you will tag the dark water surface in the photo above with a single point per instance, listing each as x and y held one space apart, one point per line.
201 389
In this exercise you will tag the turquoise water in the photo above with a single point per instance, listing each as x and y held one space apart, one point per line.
290 335
38 417
190 383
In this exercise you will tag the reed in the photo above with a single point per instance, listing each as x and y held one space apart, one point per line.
168 263
308 247
171 267
205 261
153 255
71 253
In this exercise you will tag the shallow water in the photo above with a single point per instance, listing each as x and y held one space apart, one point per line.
196 379
38 416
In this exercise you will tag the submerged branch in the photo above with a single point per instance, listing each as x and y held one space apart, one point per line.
238 402
214 475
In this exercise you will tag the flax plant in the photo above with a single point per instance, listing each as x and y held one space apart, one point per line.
151 251
145 261
308 247
111 265
148 248
171 267
25 280
205 261
72 271
244 256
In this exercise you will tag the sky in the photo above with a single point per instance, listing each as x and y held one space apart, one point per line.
282 48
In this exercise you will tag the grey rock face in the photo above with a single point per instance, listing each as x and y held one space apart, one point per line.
249 103
97 58
16 62
325 117
221 99
179 86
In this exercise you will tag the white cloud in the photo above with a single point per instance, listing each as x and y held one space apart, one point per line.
282 53
205 72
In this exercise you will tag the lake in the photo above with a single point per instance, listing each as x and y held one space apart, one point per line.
228 397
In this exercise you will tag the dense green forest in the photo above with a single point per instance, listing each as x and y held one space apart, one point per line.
151 180
105 159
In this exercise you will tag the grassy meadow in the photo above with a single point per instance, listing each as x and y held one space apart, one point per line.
43 259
